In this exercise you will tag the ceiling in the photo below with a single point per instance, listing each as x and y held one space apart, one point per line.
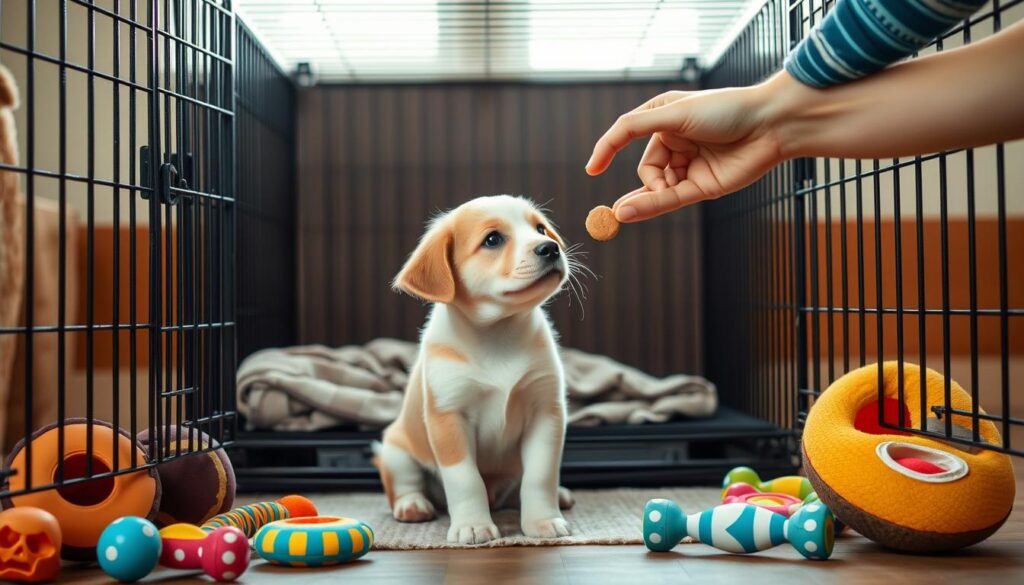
436 40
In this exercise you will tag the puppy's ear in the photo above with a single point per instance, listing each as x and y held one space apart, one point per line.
428 273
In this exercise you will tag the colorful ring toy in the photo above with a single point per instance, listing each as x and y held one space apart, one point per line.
84 509
744 493
906 491
791 485
313 541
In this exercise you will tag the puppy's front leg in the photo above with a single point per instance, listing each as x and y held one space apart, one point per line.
542 460
454 450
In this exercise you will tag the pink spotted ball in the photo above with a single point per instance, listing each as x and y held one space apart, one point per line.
225 554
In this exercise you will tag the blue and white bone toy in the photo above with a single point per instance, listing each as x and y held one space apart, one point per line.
740 528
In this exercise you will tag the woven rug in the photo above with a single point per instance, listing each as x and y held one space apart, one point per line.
599 517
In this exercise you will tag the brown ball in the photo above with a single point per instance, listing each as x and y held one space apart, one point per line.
601 223
196 487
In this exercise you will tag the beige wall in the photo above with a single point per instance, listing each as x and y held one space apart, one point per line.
45 107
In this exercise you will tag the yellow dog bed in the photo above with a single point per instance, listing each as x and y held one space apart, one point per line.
904 491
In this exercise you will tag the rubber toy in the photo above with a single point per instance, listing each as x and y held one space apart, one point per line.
313 541
744 493
905 491
195 488
128 549
222 553
790 485
251 518
740 528
797 490
30 541
83 509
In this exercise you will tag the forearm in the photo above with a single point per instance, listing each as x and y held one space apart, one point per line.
860 37
961 98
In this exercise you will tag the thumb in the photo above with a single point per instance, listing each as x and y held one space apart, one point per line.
629 127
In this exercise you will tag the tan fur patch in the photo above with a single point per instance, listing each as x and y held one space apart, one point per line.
386 479
508 256
470 227
408 432
444 351
536 218
446 433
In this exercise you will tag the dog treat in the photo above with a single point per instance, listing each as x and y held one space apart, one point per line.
601 223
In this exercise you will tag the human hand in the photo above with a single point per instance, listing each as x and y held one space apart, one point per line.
703 145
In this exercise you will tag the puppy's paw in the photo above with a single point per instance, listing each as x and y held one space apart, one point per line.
546 528
414 507
565 499
473 532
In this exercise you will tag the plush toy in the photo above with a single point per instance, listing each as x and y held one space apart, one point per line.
195 488
251 518
128 549
313 541
740 528
83 509
222 553
907 492
30 542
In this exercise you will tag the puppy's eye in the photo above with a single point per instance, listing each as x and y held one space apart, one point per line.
540 229
493 240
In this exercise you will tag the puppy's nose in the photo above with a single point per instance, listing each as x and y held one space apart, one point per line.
547 250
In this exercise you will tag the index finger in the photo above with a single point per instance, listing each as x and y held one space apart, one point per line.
627 128
644 204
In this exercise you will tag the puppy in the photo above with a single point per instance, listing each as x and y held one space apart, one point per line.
484 410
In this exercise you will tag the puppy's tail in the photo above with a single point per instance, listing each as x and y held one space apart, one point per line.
8 89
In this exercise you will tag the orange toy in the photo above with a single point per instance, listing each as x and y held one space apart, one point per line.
29 545
906 492
84 509
249 519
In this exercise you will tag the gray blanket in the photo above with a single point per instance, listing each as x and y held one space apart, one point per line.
314 387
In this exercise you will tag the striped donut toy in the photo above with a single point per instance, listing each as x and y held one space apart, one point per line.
313 541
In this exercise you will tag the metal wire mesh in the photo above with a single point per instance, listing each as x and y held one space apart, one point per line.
826 265
265 99
126 134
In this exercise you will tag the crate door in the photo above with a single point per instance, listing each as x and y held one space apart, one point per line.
192 235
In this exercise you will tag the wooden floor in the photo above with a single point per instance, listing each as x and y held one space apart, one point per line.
856 560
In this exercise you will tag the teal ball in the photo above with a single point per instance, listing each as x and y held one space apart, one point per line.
129 548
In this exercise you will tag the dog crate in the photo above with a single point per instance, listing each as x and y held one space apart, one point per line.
120 229
168 196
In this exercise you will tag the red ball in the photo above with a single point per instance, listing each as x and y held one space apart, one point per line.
225 553
919 465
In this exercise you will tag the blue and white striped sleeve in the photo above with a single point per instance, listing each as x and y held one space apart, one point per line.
859 37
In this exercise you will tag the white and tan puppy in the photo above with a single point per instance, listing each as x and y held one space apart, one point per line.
484 410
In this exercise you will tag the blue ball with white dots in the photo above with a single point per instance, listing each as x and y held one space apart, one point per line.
129 548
